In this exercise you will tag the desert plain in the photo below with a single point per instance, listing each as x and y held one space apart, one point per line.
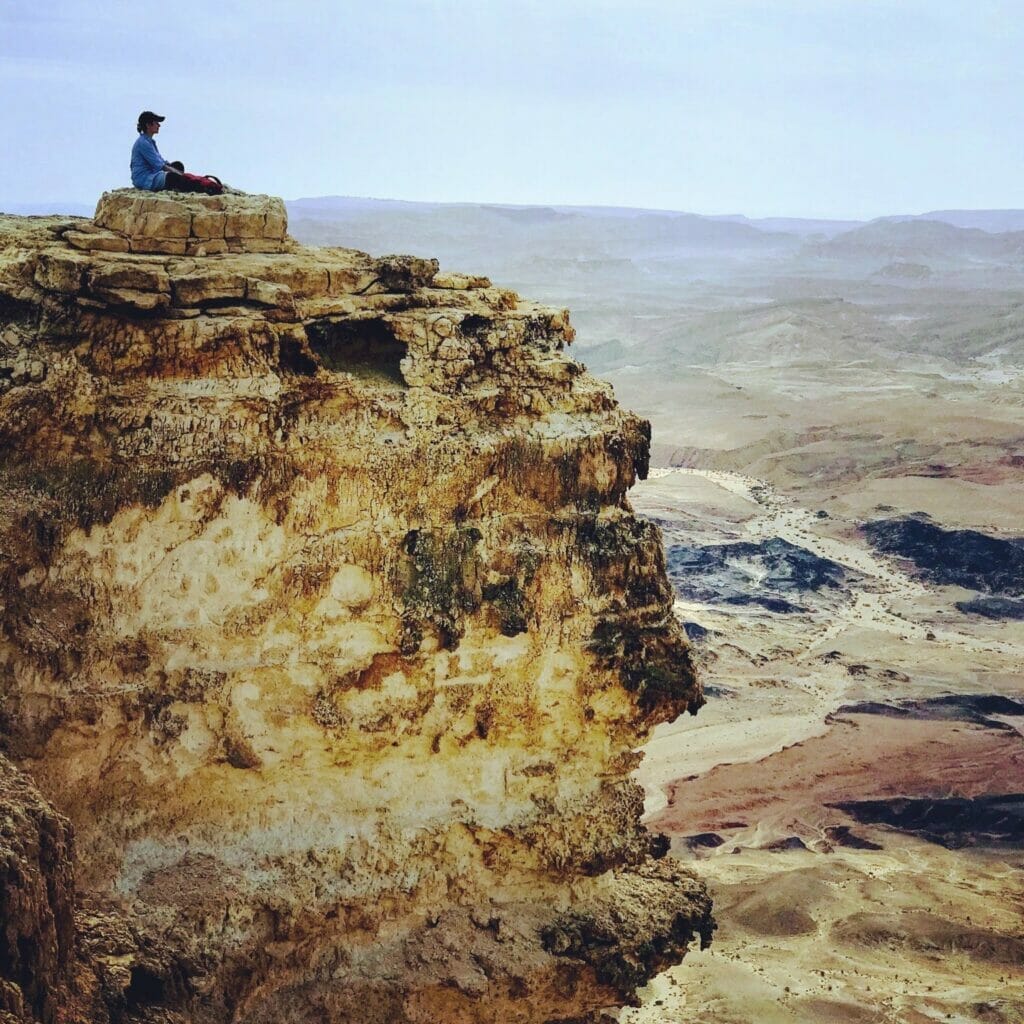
838 473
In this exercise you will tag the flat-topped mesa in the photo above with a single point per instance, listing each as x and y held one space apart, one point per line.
325 619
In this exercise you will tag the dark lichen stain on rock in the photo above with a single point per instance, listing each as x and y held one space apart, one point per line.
596 938
638 635
442 581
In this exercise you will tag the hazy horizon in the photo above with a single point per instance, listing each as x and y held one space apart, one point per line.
78 205
839 110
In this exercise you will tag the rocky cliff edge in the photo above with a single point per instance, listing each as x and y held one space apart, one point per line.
326 624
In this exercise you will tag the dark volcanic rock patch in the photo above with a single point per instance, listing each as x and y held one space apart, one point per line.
774 574
703 841
785 844
910 762
713 692
965 558
975 708
993 607
952 822
695 631
843 835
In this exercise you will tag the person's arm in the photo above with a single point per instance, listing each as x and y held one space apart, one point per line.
152 156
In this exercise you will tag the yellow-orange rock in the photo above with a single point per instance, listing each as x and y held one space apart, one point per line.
325 619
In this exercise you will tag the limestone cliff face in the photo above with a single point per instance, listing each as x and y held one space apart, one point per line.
325 620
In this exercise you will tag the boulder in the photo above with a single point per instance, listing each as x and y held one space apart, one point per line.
178 222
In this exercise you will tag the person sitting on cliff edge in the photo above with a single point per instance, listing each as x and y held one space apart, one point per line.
149 169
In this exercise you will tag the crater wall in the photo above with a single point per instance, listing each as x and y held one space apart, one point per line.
325 620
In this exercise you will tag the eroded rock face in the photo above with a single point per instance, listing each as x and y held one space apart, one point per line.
325 619
60 960
37 933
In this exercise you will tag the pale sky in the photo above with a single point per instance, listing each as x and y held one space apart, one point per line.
827 108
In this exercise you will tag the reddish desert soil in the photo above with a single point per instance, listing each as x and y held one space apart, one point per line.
861 757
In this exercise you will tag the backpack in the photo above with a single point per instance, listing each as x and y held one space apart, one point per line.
207 183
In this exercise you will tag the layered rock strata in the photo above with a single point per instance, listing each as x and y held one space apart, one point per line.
325 620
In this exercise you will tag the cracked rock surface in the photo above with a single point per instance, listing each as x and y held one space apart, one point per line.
326 624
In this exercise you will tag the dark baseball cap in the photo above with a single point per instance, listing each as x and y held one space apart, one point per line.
147 115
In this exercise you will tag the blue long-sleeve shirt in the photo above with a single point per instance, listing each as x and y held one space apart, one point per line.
147 164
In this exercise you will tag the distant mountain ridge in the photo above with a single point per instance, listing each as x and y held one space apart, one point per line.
991 221
57 206
794 225
919 238
511 242
474 234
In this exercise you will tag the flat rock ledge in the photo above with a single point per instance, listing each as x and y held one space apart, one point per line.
184 224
